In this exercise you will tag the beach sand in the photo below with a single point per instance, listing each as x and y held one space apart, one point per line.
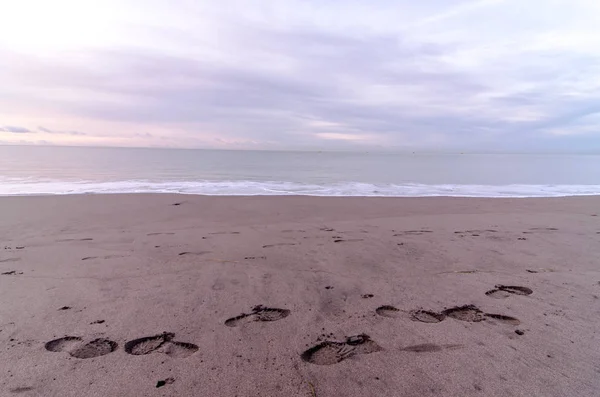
170 295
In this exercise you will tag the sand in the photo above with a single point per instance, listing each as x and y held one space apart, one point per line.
168 295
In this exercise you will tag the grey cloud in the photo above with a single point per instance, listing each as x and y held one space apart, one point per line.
49 131
15 130
267 105
391 86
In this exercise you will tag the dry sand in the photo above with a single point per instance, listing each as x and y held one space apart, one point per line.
298 296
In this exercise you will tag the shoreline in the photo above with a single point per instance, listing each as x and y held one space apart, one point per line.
183 194
176 294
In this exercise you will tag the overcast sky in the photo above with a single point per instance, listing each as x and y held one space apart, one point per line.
456 75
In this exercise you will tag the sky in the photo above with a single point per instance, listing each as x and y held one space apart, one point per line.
432 75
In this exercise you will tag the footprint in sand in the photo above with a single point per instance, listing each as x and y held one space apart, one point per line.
87 258
473 314
503 319
469 313
277 245
412 233
540 270
427 316
424 316
11 273
161 343
332 352
75 346
388 311
430 348
10 260
194 253
504 291
22 389
259 313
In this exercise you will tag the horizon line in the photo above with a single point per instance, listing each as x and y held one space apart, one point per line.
311 150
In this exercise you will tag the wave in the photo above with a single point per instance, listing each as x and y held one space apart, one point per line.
20 187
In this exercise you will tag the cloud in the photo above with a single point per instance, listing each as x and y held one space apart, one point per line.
15 130
446 75
49 131
143 135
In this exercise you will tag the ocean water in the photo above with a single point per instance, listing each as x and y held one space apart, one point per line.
37 170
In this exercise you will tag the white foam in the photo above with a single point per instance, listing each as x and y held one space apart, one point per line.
13 187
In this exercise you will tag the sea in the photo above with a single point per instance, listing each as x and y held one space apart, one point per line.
49 170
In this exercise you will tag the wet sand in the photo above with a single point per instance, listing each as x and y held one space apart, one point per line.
171 295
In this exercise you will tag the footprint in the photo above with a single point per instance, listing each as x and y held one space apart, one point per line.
540 270
96 348
63 344
426 316
504 291
277 245
74 239
168 381
160 234
10 260
76 348
388 311
259 313
103 257
194 253
179 349
11 273
367 296
347 241
430 348
24 389
162 343
330 352
498 294
251 258
412 232
514 289
468 313
424 348
504 319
